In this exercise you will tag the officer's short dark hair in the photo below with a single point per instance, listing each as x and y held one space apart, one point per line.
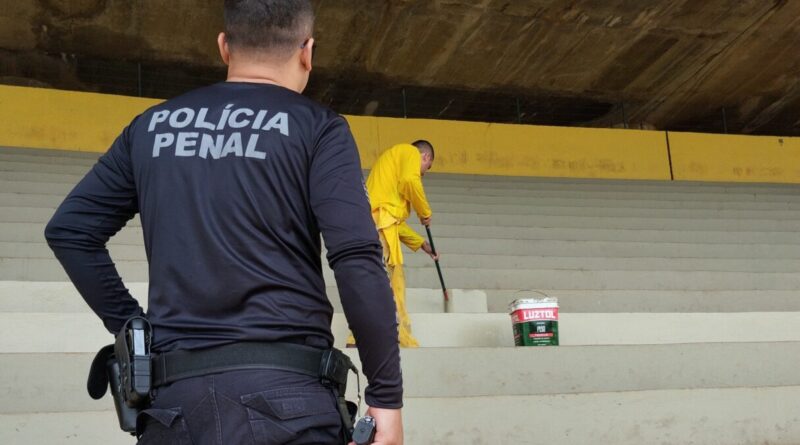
274 27
424 147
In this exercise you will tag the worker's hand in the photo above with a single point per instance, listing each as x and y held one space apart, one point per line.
388 426
426 221
429 250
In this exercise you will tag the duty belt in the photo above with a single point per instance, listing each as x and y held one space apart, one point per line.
131 371
331 364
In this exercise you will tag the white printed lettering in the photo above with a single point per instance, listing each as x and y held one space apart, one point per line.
234 123
259 119
158 116
279 121
209 144
201 120
175 119
162 140
186 140
251 151
233 145
224 117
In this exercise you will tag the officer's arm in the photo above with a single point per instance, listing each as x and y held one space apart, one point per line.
97 208
340 205
410 186
409 237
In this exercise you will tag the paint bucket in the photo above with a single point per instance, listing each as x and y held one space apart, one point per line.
535 321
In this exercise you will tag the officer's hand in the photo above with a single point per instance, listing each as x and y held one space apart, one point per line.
426 221
429 250
388 426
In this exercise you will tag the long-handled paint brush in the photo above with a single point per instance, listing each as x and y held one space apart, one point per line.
438 268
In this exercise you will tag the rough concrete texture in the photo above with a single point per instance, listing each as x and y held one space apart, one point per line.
674 377
673 63
465 301
472 372
599 246
31 332
742 416
62 297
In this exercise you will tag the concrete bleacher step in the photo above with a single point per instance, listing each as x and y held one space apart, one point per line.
33 165
11 156
44 168
517 207
648 300
473 372
36 332
679 314
48 153
62 297
744 416
566 237
697 236
132 235
32 296
555 199
22 269
726 202
589 195
85 428
588 198
517 260
498 221
512 250
476 372
508 214
498 261
449 198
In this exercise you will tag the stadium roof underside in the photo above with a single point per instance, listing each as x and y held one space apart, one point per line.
712 66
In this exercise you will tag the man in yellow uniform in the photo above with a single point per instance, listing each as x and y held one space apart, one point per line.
395 186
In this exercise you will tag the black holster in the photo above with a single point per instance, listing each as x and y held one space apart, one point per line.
334 367
125 367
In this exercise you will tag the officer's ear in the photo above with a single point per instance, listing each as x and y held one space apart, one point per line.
307 54
224 49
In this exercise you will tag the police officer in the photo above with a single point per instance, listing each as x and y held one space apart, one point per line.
234 184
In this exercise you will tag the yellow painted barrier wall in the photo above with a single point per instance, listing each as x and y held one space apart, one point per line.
728 158
45 118
528 150
65 120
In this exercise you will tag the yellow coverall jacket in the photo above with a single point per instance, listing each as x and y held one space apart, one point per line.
395 186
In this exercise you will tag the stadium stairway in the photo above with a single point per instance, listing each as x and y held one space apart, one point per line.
680 321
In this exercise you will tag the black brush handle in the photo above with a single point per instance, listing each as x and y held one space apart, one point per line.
438 268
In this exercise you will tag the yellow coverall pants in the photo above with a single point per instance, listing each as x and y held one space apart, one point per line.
397 281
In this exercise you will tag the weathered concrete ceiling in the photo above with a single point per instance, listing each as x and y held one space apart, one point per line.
667 64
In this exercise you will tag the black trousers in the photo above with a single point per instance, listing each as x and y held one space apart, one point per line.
242 407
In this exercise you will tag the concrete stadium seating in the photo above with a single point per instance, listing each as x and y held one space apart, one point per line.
680 319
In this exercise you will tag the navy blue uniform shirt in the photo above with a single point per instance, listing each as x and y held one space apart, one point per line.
234 184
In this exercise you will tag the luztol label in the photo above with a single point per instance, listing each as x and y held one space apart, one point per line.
535 322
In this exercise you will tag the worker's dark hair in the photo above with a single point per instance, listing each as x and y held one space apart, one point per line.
273 27
424 147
